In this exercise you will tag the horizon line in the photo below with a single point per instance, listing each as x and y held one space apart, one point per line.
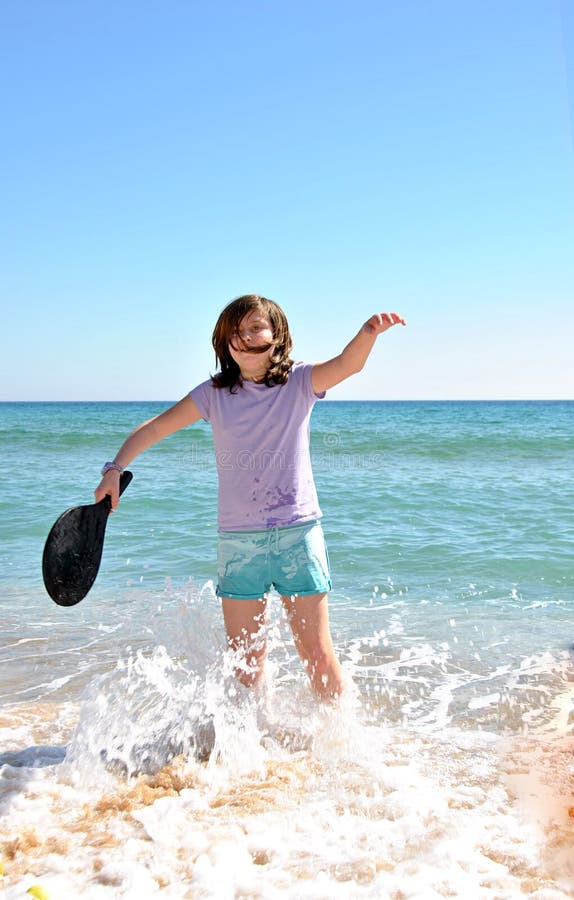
337 400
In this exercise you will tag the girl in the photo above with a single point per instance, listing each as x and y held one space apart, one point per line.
269 533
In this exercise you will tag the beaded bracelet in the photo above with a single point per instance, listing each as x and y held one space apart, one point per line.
111 466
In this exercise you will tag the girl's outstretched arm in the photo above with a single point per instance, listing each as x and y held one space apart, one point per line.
145 435
352 359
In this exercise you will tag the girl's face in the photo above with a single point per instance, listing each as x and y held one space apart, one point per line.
251 345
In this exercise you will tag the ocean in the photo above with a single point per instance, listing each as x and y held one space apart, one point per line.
133 766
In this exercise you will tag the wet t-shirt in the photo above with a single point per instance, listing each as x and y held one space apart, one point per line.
261 439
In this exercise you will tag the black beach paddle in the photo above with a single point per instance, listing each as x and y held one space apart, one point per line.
73 549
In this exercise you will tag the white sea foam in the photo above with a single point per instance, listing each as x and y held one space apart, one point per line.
392 793
407 816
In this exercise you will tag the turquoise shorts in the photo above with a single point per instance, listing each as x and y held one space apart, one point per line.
292 559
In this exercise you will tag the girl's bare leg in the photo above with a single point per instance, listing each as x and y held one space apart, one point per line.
309 620
244 621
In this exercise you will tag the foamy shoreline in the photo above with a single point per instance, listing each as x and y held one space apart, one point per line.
412 812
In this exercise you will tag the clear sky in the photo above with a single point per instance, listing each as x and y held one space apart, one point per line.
342 157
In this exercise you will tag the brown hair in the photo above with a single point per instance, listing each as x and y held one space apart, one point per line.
227 327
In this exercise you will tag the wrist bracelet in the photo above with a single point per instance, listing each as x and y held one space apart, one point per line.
111 465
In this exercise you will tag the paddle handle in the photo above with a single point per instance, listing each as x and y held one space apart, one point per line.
125 479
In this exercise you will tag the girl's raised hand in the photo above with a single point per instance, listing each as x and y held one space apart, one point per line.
382 321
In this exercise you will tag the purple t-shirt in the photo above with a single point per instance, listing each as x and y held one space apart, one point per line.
261 438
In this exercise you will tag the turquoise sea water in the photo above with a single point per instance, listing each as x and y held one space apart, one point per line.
450 529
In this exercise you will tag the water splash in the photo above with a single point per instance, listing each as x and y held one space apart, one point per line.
154 706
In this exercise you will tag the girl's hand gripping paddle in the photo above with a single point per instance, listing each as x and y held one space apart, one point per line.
73 549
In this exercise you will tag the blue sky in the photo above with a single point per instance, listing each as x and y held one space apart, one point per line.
160 158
